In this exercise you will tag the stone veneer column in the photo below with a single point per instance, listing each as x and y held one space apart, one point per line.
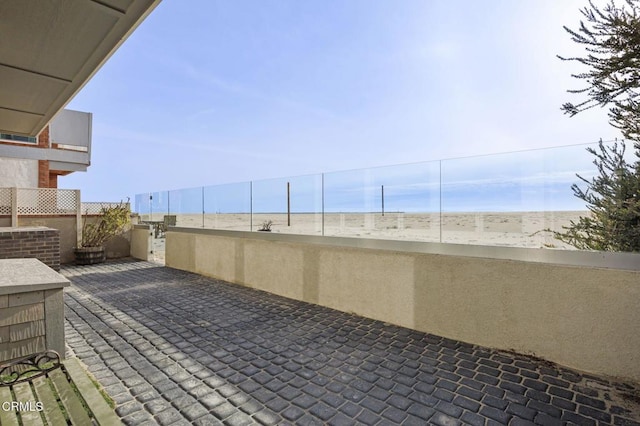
31 308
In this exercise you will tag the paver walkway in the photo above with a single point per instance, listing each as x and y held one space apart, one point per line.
176 348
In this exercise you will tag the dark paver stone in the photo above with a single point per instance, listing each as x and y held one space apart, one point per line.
422 411
594 414
466 403
521 422
277 404
322 411
563 393
492 401
441 419
595 403
266 417
535 384
538 395
470 393
472 419
304 401
399 402
577 419
394 414
156 406
513 387
169 417
292 413
351 409
128 408
444 395
449 409
565 405
498 415
545 408
484 378
341 420
373 404
366 417
521 411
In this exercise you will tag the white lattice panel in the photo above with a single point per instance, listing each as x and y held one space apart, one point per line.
95 208
5 201
46 201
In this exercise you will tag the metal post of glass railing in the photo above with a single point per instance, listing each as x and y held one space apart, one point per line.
322 198
440 185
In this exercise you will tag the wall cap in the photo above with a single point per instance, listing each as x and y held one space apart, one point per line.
594 259
25 275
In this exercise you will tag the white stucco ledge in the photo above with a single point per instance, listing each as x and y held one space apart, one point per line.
25 275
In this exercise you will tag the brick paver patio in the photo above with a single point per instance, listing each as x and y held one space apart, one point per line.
176 348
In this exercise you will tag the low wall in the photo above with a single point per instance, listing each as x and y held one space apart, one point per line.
117 247
36 242
142 242
579 309
66 225
31 308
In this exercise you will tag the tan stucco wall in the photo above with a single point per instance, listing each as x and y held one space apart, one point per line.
578 316
586 318
373 284
141 242
117 247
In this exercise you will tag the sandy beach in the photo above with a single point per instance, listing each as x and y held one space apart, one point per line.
517 229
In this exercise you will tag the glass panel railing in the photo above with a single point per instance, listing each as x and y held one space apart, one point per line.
158 205
512 199
142 205
395 202
288 205
228 206
351 203
186 206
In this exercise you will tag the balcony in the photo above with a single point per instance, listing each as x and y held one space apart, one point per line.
69 147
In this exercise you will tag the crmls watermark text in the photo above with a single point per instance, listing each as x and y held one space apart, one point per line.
22 406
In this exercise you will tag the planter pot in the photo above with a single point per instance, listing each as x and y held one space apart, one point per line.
89 255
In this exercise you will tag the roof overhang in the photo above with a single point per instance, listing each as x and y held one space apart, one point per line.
50 49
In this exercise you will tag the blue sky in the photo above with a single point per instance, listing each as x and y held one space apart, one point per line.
209 92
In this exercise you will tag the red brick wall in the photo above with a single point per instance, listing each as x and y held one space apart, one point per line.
43 173
53 180
43 138
43 165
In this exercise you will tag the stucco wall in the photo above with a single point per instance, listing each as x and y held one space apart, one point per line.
18 173
117 247
141 242
581 316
